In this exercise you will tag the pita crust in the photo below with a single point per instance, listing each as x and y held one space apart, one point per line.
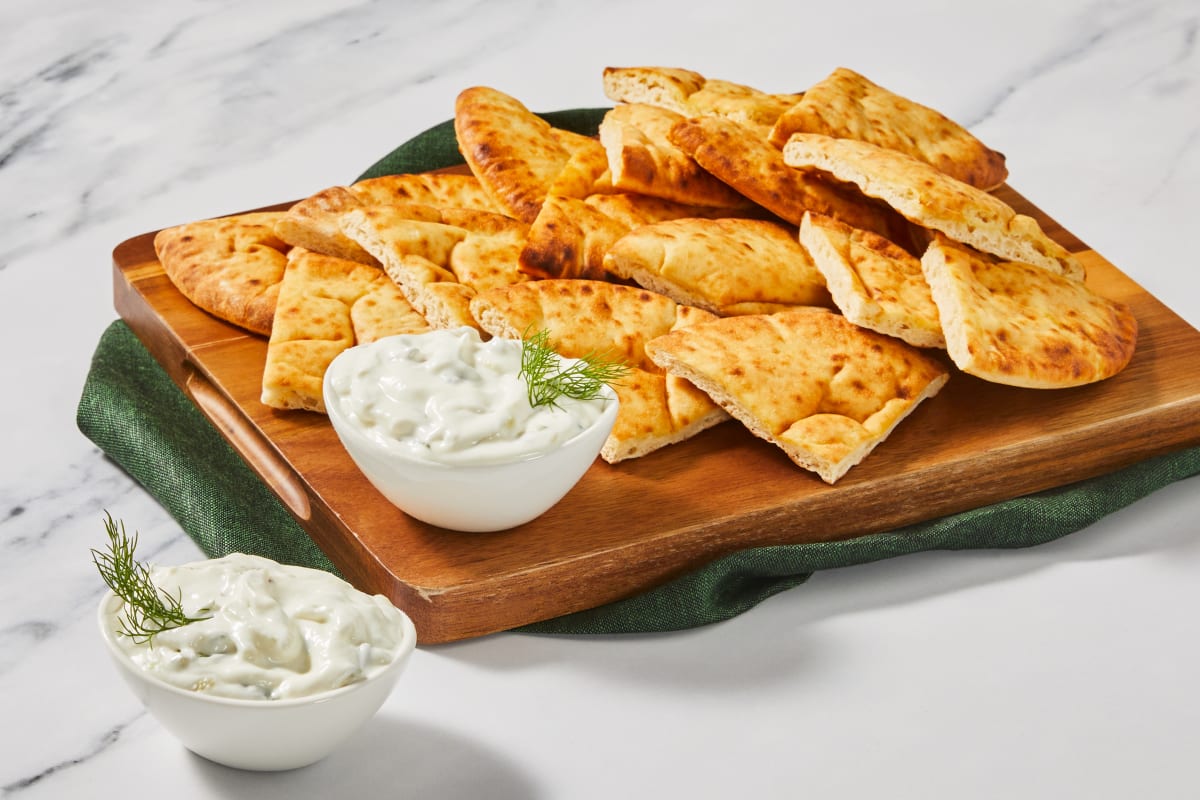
874 282
725 266
930 198
584 317
230 266
1021 325
848 106
824 390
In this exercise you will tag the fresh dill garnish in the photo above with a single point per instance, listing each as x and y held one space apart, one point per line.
548 380
148 609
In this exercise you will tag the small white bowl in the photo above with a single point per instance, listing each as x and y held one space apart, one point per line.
475 498
265 735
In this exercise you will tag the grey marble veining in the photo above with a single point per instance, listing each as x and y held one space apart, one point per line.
1062 671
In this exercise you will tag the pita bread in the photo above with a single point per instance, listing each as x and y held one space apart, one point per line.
570 237
928 197
586 170
848 106
440 266
230 267
824 390
642 159
726 266
1021 325
516 155
584 317
312 223
755 169
384 311
319 299
874 282
690 94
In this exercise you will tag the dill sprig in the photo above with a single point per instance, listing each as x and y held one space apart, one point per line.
548 380
148 609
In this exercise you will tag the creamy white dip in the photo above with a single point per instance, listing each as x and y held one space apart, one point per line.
447 397
273 631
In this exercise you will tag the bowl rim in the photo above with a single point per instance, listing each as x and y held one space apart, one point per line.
108 635
343 429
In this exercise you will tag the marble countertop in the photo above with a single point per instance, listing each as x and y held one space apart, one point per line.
1066 670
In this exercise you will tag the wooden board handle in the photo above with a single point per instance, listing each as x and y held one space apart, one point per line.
245 438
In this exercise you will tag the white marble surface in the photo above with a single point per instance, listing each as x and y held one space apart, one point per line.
1062 671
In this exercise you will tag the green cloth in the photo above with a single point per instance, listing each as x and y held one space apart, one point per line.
133 412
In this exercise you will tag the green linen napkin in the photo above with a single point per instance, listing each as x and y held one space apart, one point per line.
136 415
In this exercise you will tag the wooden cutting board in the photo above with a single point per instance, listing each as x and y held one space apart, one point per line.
628 527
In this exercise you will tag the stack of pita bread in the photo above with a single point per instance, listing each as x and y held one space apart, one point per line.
813 264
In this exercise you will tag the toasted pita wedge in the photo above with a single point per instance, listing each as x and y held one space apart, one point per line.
586 170
642 159
568 240
320 300
824 390
384 311
312 223
926 196
584 317
755 169
440 266
874 282
848 106
517 155
570 237
1022 325
726 266
692 95
230 266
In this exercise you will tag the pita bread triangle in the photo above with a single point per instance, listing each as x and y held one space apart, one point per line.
1022 325
824 390
229 266
325 305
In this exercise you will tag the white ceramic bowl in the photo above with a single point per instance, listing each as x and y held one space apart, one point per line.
475 498
257 734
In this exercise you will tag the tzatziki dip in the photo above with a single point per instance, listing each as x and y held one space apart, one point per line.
269 631
447 397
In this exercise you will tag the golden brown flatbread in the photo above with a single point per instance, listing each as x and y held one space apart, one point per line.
440 266
517 155
586 170
321 298
846 105
824 390
928 197
642 159
874 282
570 237
755 169
1022 325
690 94
312 223
585 317
726 266
230 266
